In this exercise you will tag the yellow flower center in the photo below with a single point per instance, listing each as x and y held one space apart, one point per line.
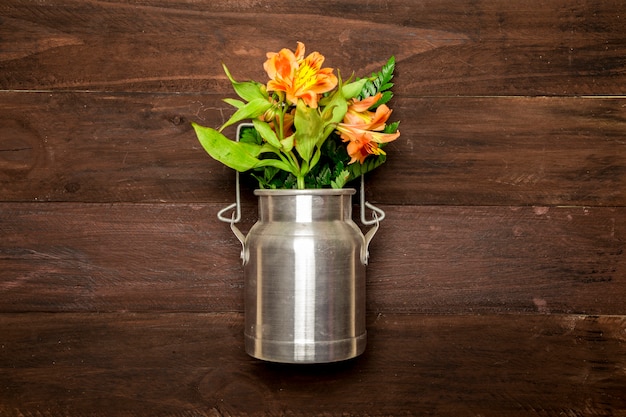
306 77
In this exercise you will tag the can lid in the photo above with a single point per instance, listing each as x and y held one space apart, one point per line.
308 191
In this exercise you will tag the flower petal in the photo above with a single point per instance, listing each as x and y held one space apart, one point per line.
299 77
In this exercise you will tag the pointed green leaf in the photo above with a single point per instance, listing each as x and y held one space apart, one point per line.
235 103
340 180
336 108
276 163
309 126
353 89
236 155
316 157
249 90
287 144
251 110
371 162
266 132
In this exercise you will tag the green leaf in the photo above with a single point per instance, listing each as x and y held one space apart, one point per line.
234 102
386 73
335 110
384 99
276 163
380 82
341 179
250 135
316 157
251 110
287 143
323 176
309 126
236 155
392 127
371 162
249 90
353 89
266 132
271 177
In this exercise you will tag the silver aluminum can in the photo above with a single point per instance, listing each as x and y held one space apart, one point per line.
304 271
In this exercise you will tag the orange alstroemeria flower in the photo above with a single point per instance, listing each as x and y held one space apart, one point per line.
297 76
363 128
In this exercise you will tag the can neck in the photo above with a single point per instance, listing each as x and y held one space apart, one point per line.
305 207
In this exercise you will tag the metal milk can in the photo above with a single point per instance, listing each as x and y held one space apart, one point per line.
304 277
304 274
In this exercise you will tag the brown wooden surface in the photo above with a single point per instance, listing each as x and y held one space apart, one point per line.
141 257
446 47
497 283
193 365
462 151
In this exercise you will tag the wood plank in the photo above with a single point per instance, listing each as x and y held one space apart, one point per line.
430 259
506 151
494 47
464 151
118 257
504 259
193 364
84 147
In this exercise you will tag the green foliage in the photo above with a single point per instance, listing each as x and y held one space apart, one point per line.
392 127
332 168
249 134
236 155
313 155
380 82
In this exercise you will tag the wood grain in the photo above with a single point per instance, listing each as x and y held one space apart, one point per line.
495 47
428 259
194 365
460 151
497 281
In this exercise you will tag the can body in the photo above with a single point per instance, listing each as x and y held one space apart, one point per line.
304 278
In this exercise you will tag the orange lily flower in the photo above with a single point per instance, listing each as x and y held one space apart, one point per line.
299 77
363 128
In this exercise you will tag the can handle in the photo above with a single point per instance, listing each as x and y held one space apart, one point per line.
378 214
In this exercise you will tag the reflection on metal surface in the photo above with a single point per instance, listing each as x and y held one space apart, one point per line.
304 302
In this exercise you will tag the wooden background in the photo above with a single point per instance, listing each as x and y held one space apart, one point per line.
497 283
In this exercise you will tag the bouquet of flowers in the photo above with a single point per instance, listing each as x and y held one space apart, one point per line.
310 129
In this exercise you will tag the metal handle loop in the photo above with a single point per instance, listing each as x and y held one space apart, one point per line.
235 218
236 215
378 215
